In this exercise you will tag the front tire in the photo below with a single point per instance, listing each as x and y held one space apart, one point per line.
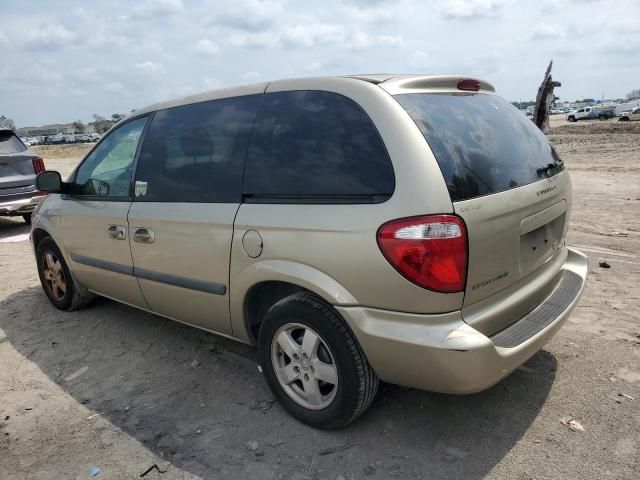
313 363
56 279
27 218
572 119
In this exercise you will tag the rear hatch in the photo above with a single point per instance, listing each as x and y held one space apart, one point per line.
511 189
17 170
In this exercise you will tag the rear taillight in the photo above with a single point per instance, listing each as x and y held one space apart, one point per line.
38 165
430 251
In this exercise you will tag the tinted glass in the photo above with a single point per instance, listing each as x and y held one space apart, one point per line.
482 143
195 153
10 143
106 172
316 144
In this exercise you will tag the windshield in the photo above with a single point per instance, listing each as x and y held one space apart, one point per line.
482 143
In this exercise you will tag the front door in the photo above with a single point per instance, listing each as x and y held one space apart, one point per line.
94 224
187 191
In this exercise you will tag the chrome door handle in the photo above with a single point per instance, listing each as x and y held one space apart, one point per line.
144 235
117 232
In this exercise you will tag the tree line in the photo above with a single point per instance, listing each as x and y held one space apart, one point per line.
100 124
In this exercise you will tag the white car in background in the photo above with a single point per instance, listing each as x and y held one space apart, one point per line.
630 116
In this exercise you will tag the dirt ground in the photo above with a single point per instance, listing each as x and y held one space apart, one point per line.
121 390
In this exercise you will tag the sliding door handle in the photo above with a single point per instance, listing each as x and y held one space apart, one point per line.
144 235
117 232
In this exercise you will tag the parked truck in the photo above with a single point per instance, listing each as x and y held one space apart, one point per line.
600 112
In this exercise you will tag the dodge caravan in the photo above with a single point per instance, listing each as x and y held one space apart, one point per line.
406 229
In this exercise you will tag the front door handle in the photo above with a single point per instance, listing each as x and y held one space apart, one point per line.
144 235
117 232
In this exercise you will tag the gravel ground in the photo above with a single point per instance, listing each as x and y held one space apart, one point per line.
121 390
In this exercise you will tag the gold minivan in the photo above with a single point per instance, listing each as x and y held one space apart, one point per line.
409 229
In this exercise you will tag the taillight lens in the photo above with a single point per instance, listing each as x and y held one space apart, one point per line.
469 84
430 251
38 165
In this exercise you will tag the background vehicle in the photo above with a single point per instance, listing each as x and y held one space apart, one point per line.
350 227
18 169
630 116
626 107
592 113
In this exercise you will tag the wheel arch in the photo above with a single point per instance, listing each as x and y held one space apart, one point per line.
37 235
261 284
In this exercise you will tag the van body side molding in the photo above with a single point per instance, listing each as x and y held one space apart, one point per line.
102 264
175 280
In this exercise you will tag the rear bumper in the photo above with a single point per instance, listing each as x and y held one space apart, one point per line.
20 206
444 354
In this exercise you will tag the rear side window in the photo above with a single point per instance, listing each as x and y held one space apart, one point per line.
313 146
195 153
482 143
10 143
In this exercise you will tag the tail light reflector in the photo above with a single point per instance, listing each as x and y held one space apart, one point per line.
38 165
430 251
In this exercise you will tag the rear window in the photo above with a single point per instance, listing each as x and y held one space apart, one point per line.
482 143
316 147
10 143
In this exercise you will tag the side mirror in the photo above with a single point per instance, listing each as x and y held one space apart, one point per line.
49 182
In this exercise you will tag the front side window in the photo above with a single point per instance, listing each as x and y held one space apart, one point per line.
315 146
195 153
106 172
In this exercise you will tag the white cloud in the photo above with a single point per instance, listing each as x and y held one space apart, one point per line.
419 59
250 76
49 36
156 8
212 83
313 67
206 47
549 30
472 8
148 67
114 87
248 14
312 35
362 40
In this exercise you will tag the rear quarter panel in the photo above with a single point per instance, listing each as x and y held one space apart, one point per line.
340 240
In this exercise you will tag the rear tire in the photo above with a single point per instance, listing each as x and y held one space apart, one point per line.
352 384
27 218
56 279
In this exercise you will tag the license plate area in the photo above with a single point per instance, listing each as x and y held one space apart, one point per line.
541 245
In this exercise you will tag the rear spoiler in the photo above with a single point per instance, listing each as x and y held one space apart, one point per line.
435 83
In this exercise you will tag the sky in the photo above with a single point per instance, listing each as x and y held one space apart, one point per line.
65 60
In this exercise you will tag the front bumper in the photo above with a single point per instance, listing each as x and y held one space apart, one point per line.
20 206
444 354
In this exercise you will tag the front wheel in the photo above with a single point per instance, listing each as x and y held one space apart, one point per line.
27 218
313 363
56 279
572 119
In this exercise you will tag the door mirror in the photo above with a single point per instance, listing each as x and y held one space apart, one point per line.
49 182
